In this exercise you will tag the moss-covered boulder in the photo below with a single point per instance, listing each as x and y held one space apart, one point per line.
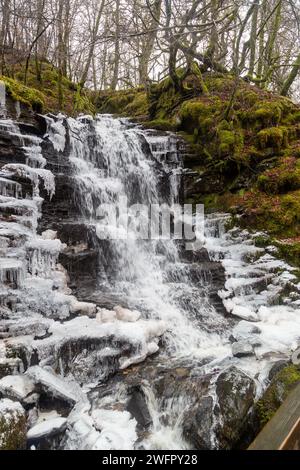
12 425
41 95
281 384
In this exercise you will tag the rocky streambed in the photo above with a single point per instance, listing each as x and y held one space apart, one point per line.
120 344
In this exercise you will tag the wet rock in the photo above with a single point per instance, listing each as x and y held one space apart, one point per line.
235 392
296 357
242 349
198 424
12 425
137 407
244 331
276 368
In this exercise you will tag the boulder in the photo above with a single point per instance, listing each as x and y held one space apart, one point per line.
52 385
242 349
296 357
16 387
235 394
12 425
45 429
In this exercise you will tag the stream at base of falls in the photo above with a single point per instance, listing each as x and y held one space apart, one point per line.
117 342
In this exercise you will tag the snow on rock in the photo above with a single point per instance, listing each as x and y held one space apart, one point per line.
106 316
124 314
16 387
47 428
84 308
117 430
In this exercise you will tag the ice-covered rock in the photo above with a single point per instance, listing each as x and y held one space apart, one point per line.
46 429
84 308
16 387
106 316
124 314
53 385
33 174
117 430
242 349
246 331
49 235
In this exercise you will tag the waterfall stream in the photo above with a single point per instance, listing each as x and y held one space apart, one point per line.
184 318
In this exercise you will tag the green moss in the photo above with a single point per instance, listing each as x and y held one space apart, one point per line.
276 393
28 96
82 103
289 251
282 178
117 102
275 137
139 106
262 241
161 124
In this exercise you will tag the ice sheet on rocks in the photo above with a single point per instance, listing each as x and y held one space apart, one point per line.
144 336
254 282
100 429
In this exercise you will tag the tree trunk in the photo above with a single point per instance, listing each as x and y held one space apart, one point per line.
92 46
115 78
292 76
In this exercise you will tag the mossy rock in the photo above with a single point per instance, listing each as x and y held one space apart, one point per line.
161 124
138 106
12 426
283 382
274 137
26 95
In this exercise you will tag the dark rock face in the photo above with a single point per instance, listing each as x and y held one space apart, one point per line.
236 393
199 423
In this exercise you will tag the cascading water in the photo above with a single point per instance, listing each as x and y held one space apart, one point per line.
124 161
219 317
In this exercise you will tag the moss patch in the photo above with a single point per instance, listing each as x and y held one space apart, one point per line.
276 393
31 97
42 96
